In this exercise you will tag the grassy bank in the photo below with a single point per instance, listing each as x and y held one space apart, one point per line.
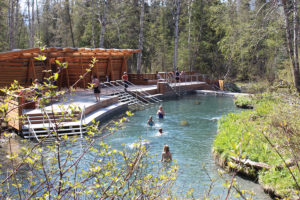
269 134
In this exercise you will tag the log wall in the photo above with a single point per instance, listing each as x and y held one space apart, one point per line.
23 67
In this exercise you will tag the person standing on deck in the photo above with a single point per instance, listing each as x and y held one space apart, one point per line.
96 86
177 75
125 80
166 155
182 76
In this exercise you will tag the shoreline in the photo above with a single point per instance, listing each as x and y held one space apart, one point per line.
244 173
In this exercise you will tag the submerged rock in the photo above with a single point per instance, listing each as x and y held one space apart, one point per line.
184 123
197 102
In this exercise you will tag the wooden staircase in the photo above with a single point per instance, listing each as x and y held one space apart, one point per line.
37 125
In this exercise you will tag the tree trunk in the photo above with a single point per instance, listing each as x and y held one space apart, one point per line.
103 24
296 57
292 38
141 37
38 20
93 24
189 34
11 34
32 24
177 2
67 4
29 24
16 26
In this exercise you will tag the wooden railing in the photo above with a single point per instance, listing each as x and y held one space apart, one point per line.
143 79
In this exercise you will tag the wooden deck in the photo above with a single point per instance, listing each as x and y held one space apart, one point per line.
88 110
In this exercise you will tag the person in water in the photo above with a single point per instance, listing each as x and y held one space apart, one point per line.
150 121
166 155
160 131
160 113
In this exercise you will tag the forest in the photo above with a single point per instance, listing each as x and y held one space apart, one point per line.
239 40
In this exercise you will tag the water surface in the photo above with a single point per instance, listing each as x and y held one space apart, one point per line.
189 144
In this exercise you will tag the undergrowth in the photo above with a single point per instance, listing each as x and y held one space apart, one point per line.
269 134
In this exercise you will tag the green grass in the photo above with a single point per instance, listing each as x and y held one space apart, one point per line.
243 135
243 101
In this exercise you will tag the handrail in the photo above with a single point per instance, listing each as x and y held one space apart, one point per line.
137 96
145 93
82 113
132 98
31 128
156 100
50 123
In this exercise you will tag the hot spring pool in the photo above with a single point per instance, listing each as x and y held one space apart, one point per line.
189 128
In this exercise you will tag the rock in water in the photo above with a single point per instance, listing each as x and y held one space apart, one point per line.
197 102
184 123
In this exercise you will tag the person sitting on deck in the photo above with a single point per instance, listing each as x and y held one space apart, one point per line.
150 121
125 80
166 155
96 86
160 113
37 87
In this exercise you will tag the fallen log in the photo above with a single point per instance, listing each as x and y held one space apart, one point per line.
250 163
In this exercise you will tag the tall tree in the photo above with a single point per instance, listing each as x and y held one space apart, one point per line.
141 37
291 30
11 24
102 19
177 14
67 10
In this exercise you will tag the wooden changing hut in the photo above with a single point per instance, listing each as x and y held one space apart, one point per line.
22 66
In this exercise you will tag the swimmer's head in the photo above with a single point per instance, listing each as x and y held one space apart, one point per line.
160 107
150 118
160 130
166 148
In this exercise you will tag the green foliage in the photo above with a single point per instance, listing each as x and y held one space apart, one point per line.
263 135
244 101
256 87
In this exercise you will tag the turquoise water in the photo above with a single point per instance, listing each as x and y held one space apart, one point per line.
190 145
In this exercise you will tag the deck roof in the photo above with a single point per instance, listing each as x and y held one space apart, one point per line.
57 52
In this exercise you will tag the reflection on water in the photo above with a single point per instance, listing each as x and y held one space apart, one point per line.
189 129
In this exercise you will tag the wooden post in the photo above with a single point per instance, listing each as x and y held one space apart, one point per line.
106 69
68 79
48 67
83 80
28 70
123 67
111 68
125 64
33 69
